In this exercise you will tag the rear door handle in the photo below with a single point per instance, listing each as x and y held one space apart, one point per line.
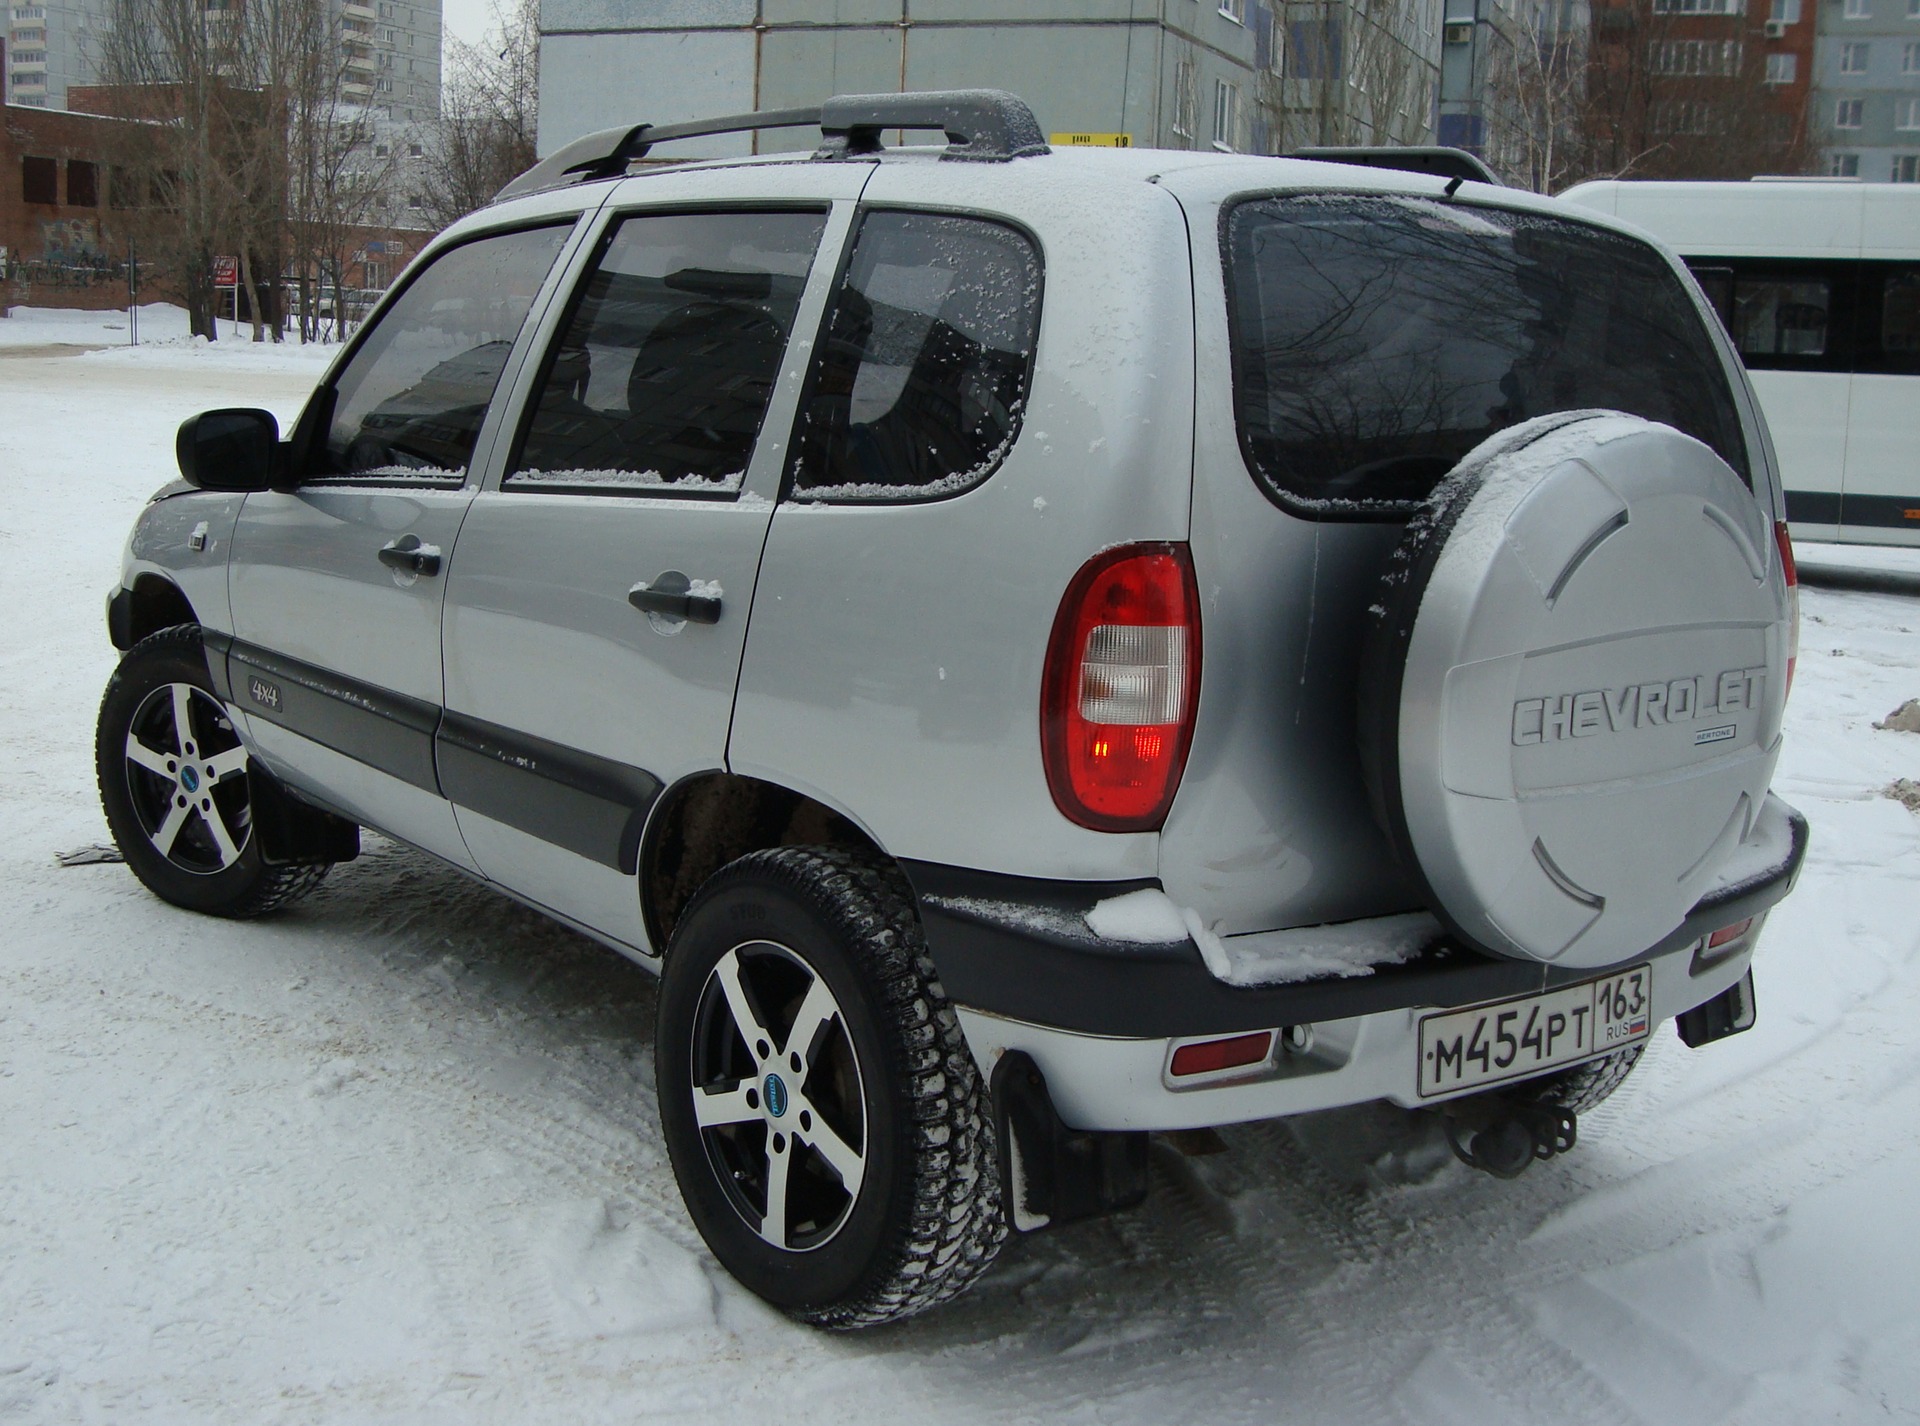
674 596
410 556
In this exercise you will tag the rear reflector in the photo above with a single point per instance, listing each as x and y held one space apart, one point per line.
1792 573
1121 684
1208 1056
1729 933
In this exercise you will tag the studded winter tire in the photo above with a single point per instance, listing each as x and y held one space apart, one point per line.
825 1119
173 783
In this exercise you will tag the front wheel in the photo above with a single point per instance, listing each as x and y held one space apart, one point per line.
173 784
825 1119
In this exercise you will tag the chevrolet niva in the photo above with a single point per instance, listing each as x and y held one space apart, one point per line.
1033 648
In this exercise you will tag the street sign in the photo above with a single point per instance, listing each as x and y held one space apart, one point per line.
1091 141
226 272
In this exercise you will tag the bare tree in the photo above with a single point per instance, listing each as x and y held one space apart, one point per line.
489 108
1348 72
1537 89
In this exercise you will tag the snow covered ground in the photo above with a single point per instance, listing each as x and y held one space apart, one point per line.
393 1157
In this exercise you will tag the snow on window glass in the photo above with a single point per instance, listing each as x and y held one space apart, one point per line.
1377 340
918 390
662 376
408 406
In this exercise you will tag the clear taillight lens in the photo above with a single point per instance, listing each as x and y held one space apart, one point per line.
1122 682
1793 597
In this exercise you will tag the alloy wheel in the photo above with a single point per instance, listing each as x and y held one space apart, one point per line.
186 775
778 1096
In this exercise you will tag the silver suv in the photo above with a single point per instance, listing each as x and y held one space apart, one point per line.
1035 648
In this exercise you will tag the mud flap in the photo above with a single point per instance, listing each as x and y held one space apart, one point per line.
1728 1013
293 832
1054 1174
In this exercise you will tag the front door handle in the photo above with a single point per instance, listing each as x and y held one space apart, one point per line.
410 556
674 596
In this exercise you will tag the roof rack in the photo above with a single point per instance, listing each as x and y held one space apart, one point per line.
981 125
1433 159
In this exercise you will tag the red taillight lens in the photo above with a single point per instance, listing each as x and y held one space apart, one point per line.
1729 933
1793 597
1209 1056
1121 685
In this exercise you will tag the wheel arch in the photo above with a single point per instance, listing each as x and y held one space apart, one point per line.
709 819
153 603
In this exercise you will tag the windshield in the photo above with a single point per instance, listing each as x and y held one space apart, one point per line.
1378 339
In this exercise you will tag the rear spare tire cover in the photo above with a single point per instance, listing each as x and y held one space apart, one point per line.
1572 686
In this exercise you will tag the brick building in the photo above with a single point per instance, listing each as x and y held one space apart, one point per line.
61 232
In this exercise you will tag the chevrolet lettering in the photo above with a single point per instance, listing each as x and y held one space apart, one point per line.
1640 705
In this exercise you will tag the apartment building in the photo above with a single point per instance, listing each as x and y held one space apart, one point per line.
389 50
51 44
1166 73
1866 89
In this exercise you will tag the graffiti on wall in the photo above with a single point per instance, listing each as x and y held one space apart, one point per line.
72 254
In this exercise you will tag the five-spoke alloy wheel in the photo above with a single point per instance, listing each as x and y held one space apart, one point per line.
825 1118
174 785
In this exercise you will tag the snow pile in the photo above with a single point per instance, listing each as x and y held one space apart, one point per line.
1344 949
1904 719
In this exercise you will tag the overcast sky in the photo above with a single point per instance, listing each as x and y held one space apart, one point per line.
465 19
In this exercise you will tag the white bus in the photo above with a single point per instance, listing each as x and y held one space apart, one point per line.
1818 281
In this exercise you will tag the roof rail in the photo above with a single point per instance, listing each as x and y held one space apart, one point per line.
1441 162
981 125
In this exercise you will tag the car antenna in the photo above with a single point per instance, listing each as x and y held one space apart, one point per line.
1453 185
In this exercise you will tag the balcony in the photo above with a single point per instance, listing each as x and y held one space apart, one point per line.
352 11
360 63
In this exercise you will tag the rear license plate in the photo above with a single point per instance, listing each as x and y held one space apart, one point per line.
1515 1039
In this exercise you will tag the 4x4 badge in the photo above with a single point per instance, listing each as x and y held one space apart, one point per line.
267 695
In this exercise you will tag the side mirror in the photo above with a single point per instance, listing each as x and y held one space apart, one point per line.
232 449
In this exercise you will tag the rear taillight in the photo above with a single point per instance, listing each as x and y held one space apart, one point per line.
1793 597
1121 684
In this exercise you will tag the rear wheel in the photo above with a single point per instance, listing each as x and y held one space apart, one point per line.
173 784
826 1122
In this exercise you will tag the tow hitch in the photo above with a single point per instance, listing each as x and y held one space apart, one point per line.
1504 1136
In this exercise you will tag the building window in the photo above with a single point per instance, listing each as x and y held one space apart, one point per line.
1234 10
1226 105
1854 56
1910 57
1783 68
1698 7
416 202
30 57
83 184
381 150
1186 100
39 180
415 151
1906 168
1847 113
1696 57
1843 165
1906 115
1785 12
1859 9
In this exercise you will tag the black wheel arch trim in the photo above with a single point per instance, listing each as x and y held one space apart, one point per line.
1007 945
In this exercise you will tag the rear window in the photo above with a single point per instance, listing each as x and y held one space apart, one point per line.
1377 340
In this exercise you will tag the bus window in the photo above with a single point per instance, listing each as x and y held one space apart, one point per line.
1780 317
1900 312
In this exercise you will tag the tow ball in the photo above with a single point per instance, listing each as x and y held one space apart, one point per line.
1504 1137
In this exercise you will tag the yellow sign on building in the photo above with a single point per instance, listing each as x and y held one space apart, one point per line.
1091 141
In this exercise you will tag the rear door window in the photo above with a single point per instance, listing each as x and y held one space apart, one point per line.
1377 340
918 389
662 373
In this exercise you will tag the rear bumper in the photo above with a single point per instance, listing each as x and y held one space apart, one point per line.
1101 1017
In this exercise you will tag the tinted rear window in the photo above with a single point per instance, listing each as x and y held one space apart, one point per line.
1377 340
